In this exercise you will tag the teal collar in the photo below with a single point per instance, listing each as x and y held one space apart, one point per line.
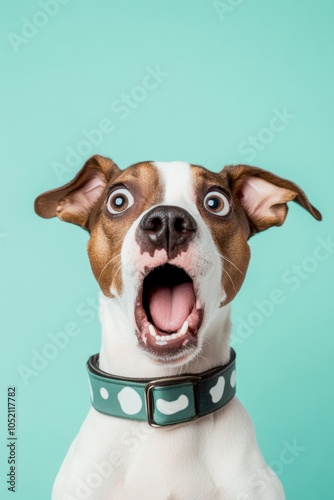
162 401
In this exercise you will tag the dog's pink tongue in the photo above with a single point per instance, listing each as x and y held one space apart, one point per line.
170 306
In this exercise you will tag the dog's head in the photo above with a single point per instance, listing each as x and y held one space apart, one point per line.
168 241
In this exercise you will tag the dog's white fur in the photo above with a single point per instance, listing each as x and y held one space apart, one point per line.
116 459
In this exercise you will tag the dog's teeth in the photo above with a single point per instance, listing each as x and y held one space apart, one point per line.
184 328
160 342
152 330
164 339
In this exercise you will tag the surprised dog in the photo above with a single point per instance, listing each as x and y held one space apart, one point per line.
169 249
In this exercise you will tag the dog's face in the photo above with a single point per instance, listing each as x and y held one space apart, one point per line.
168 241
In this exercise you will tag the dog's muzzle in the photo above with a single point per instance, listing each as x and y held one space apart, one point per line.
166 227
168 313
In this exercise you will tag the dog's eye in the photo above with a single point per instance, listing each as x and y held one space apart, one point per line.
217 203
119 201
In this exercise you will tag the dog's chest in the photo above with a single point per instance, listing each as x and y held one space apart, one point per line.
167 465
213 458
114 458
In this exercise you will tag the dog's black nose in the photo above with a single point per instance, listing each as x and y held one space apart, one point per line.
167 227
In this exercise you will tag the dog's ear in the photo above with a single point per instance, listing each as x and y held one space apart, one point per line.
264 196
74 201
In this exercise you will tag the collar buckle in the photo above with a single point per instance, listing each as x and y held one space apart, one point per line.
165 382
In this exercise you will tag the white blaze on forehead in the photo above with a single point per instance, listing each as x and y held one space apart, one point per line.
178 182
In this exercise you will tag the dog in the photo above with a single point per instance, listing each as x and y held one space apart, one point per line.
169 249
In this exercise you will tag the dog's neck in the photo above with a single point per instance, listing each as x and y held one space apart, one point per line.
121 356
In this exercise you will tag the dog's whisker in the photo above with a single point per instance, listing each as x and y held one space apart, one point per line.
230 262
181 370
107 264
200 356
114 277
224 271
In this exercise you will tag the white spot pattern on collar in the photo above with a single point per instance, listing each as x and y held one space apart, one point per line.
130 401
171 407
218 390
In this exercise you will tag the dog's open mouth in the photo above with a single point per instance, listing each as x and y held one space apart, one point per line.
167 313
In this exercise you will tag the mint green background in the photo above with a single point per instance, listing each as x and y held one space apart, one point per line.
225 77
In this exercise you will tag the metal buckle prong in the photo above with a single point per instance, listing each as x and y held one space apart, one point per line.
162 382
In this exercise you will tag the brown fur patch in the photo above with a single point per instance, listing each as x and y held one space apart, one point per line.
230 233
108 230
